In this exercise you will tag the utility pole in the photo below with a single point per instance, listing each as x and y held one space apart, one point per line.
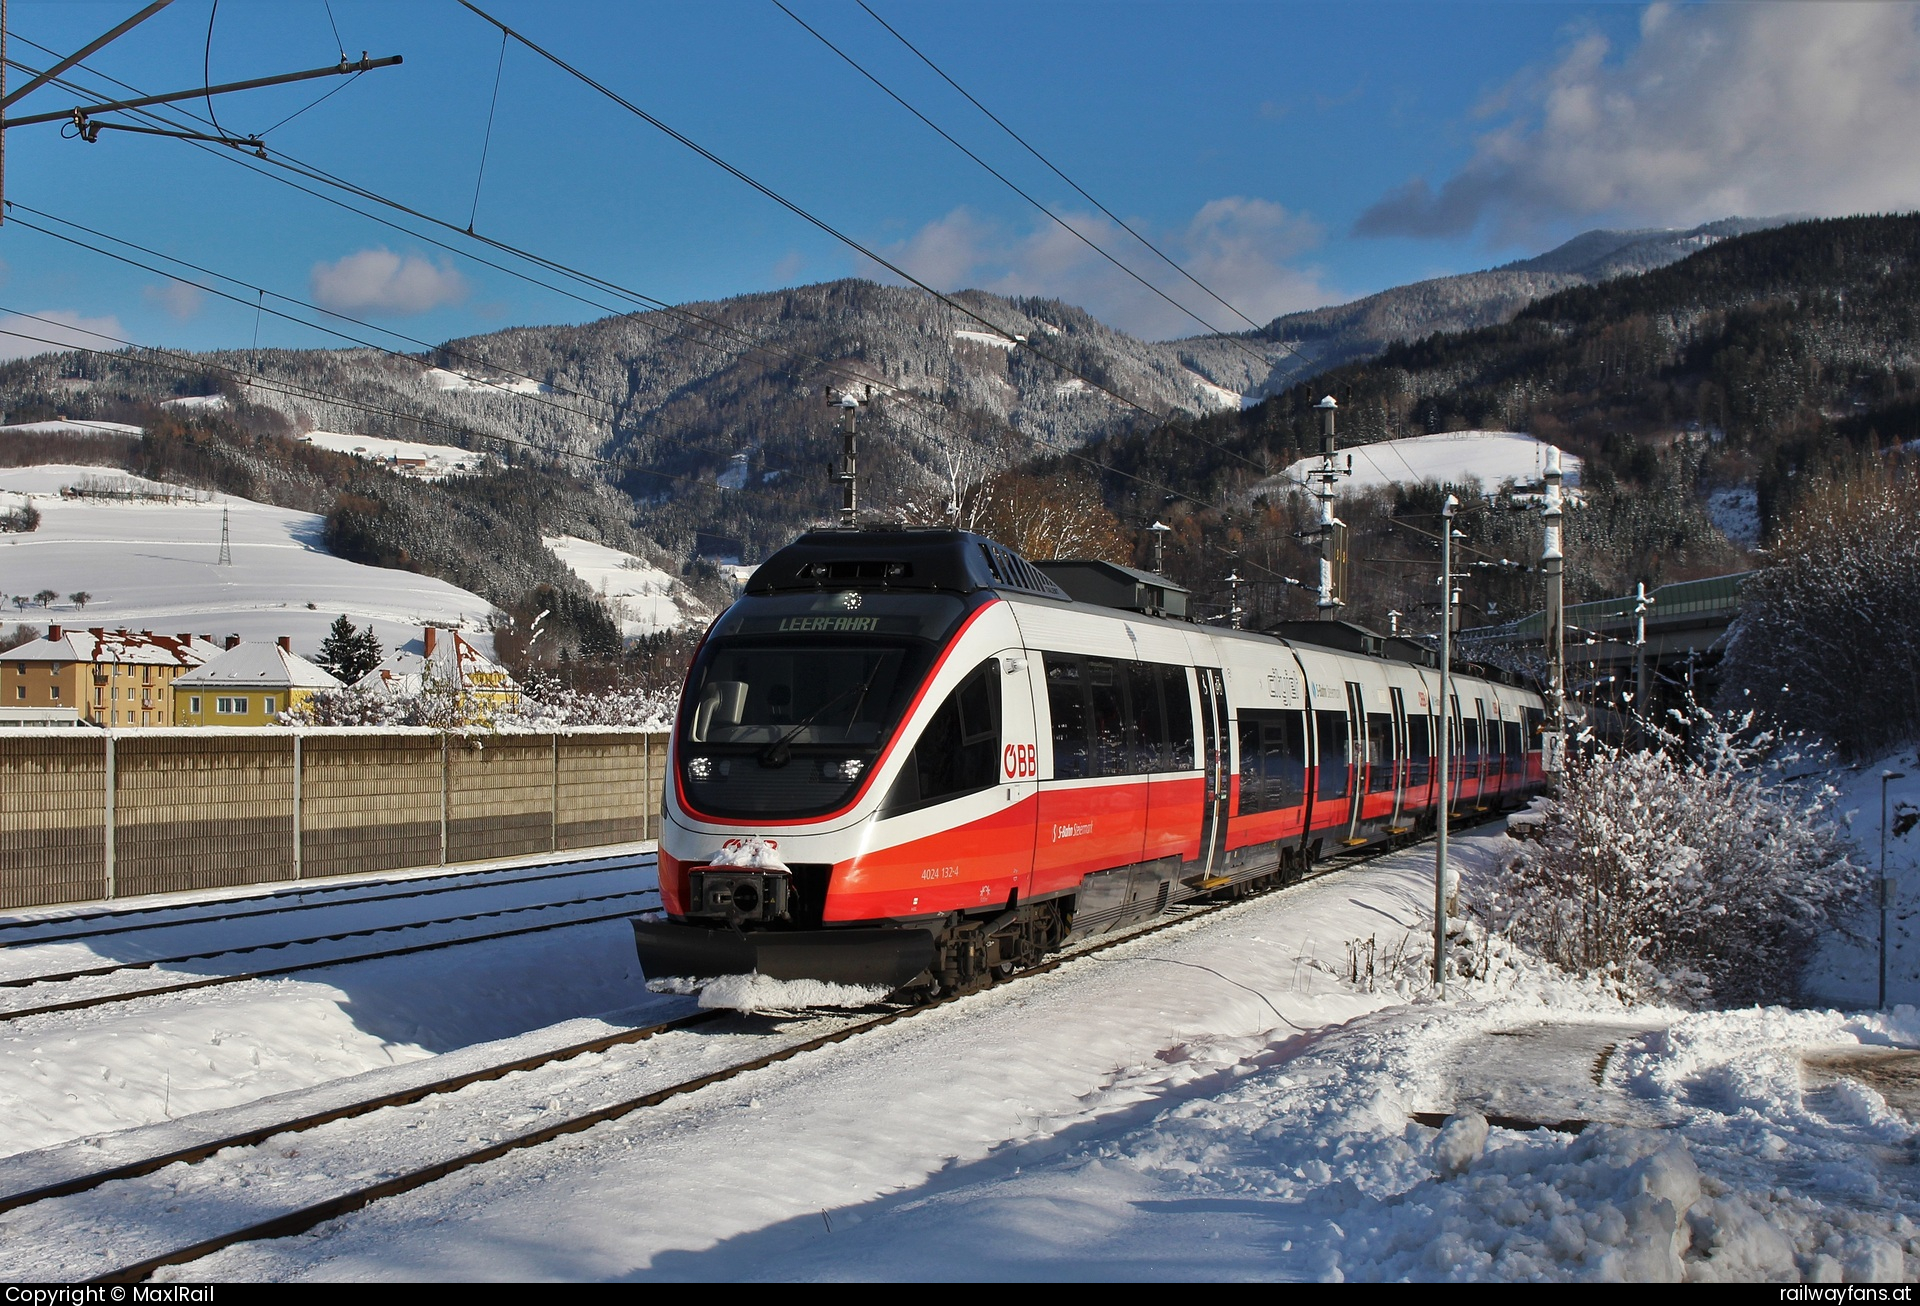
1332 531
1640 679
1885 885
1445 748
850 456
1159 529
1553 740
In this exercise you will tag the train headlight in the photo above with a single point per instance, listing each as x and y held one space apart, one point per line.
700 768
843 771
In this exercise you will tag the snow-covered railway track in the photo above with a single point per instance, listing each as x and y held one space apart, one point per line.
309 897
634 898
296 1217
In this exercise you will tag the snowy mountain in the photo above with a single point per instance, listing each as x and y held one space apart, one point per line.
1327 337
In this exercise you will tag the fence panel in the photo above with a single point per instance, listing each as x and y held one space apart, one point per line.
369 803
202 813
499 796
202 809
603 792
52 819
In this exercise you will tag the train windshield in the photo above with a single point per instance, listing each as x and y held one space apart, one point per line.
792 701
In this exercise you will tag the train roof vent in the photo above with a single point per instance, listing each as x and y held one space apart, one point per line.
1346 636
1011 571
1088 580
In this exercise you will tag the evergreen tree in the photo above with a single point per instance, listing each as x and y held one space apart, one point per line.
348 654
366 654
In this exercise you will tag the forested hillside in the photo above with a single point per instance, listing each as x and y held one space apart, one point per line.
1751 363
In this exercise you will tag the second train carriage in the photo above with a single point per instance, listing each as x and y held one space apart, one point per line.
909 758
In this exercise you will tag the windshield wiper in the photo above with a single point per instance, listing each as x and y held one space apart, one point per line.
778 753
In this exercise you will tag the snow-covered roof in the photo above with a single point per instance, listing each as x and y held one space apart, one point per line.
265 666
452 660
133 647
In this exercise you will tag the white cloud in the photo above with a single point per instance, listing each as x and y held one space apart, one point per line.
180 300
381 281
1748 109
43 333
1237 246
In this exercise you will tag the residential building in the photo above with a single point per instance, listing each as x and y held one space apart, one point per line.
247 685
114 678
443 661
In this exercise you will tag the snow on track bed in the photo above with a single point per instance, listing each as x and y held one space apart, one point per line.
73 1074
1128 1118
748 1041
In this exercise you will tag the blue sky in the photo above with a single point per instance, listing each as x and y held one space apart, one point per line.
1295 154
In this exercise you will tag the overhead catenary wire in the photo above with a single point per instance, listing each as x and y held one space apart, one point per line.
803 213
1010 184
319 177
1029 148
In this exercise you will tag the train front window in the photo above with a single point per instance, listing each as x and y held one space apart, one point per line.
790 730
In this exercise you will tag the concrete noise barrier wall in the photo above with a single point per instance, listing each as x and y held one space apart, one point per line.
88 815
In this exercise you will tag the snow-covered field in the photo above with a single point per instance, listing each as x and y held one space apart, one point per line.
155 566
71 426
1735 511
1240 1097
1495 457
644 599
438 460
442 379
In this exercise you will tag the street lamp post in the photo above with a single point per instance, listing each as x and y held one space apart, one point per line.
1446 747
1885 885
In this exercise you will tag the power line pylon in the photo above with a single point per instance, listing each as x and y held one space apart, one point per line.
226 542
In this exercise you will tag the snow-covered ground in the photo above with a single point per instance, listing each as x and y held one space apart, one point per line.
153 565
1848 969
442 379
644 599
1242 1096
436 460
71 426
1735 510
1217 397
1495 457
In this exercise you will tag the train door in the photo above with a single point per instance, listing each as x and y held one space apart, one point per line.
1402 753
1213 759
1020 751
1486 761
1356 750
1457 757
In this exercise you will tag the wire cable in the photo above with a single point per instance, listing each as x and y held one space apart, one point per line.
804 214
487 141
1061 222
1064 177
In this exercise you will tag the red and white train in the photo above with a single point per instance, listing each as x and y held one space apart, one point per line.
914 759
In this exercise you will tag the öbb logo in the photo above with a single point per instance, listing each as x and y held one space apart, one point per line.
1020 761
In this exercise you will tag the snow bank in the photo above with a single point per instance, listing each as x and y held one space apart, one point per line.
1494 457
757 992
752 851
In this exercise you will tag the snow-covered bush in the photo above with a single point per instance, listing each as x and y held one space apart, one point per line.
439 708
1690 875
634 706
1826 636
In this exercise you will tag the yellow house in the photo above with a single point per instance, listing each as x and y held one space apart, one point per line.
247 685
113 678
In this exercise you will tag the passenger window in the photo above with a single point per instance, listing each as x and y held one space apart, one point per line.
1109 718
959 752
1177 695
1149 725
1379 752
1330 731
1273 760
1067 710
